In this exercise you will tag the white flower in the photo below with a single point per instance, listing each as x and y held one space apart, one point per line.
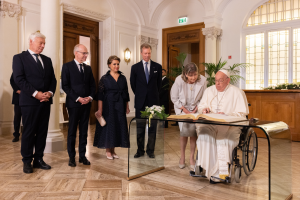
152 112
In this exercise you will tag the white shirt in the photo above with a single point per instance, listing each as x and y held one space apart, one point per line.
148 66
39 57
77 63
31 52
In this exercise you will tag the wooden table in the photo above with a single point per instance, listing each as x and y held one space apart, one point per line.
276 105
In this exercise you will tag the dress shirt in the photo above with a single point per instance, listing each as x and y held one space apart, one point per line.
39 57
78 65
148 65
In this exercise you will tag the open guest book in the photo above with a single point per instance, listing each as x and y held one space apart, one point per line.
209 116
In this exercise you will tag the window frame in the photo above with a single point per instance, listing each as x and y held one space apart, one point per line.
266 28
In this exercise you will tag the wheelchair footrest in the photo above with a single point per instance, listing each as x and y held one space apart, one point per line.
192 173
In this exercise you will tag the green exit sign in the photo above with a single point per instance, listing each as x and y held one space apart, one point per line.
182 20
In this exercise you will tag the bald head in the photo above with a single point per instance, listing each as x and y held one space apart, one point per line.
222 80
81 53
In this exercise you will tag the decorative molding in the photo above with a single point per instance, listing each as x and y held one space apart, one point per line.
78 27
84 12
107 35
183 36
212 32
11 9
152 41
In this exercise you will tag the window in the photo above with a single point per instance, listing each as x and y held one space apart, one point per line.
275 11
274 52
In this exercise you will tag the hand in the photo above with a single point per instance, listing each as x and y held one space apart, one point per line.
98 113
205 110
19 91
88 99
127 110
186 111
83 101
42 97
195 110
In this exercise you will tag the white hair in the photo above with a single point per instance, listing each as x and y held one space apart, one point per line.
76 48
32 36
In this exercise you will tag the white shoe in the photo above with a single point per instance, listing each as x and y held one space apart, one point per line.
109 157
115 156
181 166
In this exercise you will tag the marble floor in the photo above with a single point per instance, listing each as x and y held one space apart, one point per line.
106 179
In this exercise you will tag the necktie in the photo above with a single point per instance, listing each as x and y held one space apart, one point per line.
146 71
81 71
39 63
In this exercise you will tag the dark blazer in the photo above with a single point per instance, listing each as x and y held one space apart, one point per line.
73 84
30 78
15 98
140 87
164 92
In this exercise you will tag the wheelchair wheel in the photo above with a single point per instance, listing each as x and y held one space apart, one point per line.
237 174
250 148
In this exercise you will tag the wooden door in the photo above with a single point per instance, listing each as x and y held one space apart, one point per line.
73 28
94 66
173 62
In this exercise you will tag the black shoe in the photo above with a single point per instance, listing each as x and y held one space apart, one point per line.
84 160
151 155
16 139
72 162
138 154
40 164
27 168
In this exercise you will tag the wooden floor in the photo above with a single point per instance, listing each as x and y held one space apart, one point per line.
106 179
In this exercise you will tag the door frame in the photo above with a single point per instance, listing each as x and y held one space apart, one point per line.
191 33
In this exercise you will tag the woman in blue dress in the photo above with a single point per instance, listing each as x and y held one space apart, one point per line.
113 98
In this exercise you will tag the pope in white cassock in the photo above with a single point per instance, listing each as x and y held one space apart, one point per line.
215 143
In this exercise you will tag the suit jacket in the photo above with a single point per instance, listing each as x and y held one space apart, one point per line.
73 84
29 77
15 98
164 92
140 87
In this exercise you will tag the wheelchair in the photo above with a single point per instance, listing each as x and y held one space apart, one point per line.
249 147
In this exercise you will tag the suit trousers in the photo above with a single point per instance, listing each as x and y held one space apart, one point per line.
140 130
78 115
35 128
17 120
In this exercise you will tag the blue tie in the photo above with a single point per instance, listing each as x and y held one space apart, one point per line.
146 71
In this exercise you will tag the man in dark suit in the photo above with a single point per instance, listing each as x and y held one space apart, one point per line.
17 109
34 75
145 81
164 93
79 85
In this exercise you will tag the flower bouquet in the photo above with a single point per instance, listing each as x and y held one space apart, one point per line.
155 112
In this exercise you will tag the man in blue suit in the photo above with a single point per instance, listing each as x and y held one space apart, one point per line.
145 81
79 84
34 75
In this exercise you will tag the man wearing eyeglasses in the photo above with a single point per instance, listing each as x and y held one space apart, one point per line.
79 85
216 142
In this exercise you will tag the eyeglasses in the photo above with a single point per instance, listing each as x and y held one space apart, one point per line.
84 53
221 80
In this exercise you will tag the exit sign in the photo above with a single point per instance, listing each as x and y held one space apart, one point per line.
182 20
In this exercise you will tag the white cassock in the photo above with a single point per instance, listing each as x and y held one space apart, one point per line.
215 143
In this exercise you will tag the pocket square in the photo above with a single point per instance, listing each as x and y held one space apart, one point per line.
155 71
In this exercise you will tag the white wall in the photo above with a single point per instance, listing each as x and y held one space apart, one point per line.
193 9
232 26
9 40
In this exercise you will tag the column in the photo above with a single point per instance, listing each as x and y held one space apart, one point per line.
50 27
211 37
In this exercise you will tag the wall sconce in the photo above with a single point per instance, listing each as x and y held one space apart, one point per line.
127 55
